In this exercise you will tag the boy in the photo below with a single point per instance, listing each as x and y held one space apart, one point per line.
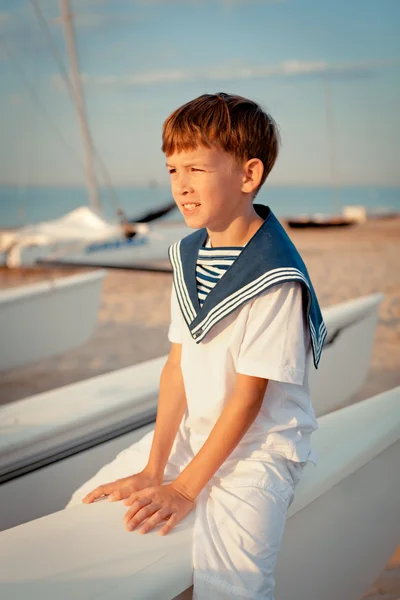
234 417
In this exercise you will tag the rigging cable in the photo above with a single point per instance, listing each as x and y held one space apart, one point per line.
40 104
71 90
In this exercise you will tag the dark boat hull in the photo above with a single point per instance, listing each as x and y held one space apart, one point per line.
323 224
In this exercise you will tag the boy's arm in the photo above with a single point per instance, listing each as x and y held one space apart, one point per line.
170 410
273 347
238 414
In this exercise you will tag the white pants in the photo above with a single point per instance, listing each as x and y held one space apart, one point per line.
239 518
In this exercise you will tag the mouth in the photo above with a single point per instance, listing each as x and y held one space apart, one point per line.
190 207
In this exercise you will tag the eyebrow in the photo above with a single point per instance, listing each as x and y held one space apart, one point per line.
192 164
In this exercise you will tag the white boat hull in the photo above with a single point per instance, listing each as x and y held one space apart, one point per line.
347 354
47 318
58 425
342 528
343 539
145 249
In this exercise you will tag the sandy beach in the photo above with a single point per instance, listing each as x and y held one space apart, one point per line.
133 321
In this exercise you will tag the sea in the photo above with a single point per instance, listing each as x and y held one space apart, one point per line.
21 206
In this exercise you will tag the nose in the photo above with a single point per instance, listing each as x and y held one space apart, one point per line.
182 185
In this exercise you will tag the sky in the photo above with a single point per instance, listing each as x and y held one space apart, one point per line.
328 72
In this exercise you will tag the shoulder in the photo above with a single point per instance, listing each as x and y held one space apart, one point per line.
282 249
275 343
279 293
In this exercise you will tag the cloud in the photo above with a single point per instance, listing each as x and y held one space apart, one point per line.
233 2
86 13
54 5
153 2
97 19
23 33
97 14
15 99
228 2
87 18
4 18
285 70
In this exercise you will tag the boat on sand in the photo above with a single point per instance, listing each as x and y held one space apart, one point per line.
67 434
347 352
47 318
319 221
344 520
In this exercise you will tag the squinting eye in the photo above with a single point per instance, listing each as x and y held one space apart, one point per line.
194 169
171 171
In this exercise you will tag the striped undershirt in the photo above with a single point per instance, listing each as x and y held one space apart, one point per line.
212 263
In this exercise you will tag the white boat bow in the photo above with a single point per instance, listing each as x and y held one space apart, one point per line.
342 528
47 318
76 429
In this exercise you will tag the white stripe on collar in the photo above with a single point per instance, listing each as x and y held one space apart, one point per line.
186 304
247 291
253 289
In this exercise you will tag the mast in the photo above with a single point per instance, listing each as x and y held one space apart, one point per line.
91 185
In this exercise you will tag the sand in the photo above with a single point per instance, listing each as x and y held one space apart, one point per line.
133 321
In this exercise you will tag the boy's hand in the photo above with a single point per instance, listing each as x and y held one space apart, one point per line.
157 504
123 488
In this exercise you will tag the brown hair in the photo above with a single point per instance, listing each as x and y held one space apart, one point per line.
237 125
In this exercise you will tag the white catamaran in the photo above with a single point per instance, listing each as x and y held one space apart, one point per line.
342 527
84 233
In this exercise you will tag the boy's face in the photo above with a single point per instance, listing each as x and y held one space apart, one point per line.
207 187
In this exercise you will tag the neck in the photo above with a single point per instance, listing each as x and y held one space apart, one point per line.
239 231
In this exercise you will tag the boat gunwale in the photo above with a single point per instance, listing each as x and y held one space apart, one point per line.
51 284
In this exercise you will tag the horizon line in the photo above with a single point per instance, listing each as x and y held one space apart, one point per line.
165 185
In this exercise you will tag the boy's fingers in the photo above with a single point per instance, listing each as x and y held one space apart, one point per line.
134 495
130 499
119 494
91 496
170 524
96 493
155 519
139 504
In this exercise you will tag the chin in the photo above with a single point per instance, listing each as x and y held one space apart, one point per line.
195 222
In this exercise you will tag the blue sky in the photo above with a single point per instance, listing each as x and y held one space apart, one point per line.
141 59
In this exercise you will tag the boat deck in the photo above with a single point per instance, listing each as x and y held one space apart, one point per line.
12 278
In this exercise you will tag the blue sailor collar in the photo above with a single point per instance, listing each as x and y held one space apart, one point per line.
269 258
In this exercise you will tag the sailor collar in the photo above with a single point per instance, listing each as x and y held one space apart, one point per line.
268 259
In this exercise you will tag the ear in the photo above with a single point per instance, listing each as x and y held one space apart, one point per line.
253 171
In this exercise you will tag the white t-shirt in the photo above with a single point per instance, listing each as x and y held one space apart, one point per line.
266 337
